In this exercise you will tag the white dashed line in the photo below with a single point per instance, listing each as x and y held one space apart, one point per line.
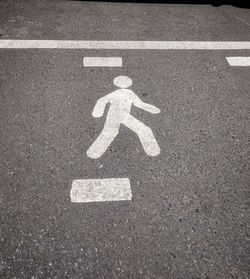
102 61
239 61
100 190
79 44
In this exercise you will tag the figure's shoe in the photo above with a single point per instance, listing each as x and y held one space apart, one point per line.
152 148
93 154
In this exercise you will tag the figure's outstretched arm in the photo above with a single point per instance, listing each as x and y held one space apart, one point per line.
99 108
150 108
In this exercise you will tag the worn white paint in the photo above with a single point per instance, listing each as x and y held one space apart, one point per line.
79 44
121 101
100 190
239 61
102 61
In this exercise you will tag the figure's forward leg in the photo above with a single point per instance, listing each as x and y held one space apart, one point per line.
145 134
100 145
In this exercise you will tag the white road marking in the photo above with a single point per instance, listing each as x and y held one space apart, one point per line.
100 190
121 101
79 44
102 61
238 61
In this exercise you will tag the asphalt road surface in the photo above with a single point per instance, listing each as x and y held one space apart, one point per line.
188 216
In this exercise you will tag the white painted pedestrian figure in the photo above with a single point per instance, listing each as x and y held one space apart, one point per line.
121 101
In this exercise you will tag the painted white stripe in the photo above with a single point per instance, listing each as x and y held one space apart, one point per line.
79 44
238 61
100 190
102 61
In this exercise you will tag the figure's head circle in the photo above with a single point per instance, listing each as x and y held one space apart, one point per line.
122 81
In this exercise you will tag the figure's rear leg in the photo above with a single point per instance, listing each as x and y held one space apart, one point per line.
103 141
145 134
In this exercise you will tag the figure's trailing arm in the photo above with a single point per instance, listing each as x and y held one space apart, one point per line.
140 104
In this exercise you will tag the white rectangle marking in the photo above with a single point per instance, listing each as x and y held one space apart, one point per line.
239 61
100 190
102 61
79 44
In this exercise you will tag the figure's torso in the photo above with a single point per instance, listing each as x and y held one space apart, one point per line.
121 101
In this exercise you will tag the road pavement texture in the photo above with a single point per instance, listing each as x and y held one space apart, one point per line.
189 212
